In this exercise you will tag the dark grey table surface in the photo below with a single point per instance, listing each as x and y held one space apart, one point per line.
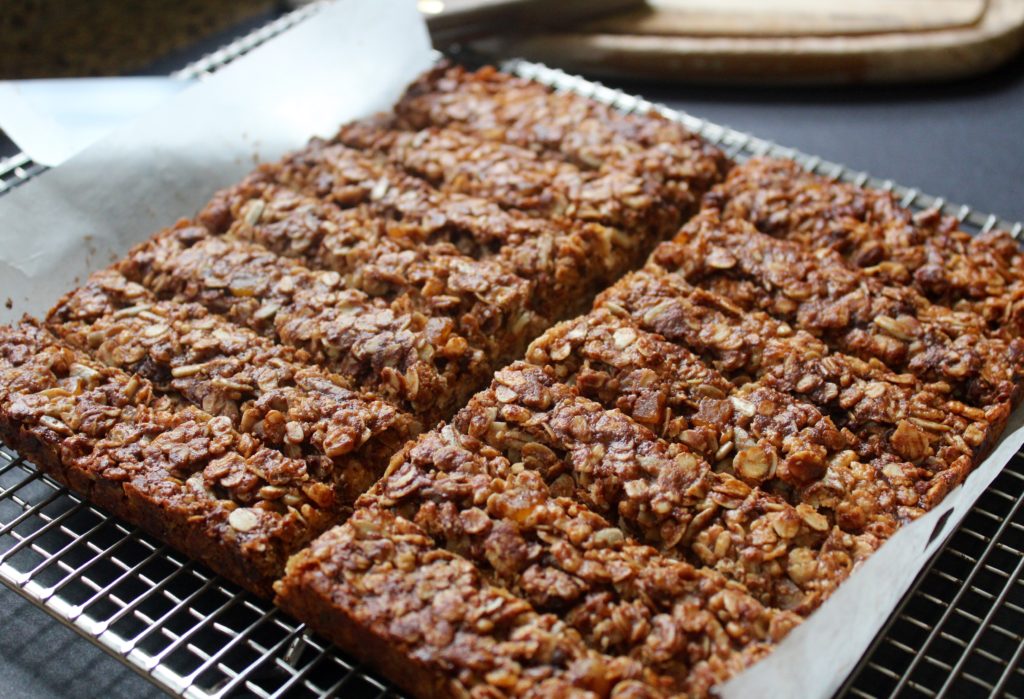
963 141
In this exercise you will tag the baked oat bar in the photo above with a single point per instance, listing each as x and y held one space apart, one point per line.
184 476
516 178
849 309
869 228
761 435
565 263
566 260
489 304
267 390
497 106
624 598
662 493
420 363
888 413
427 619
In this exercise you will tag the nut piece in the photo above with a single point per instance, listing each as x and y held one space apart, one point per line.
610 536
243 519
624 337
294 432
752 463
910 441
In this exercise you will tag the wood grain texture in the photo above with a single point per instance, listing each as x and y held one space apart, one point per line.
790 17
912 53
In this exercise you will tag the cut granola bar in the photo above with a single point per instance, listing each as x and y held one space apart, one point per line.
661 493
759 434
267 390
183 476
497 106
849 309
421 363
379 587
871 230
888 413
565 263
518 179
624 598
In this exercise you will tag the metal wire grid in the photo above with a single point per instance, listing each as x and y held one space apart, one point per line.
16 170
170 619
196 635
958 632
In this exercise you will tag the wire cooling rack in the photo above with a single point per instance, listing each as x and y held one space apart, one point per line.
957 632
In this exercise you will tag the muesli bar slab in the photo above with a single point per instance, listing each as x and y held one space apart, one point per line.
497 106
763 436
566 260
683 622
663 493
420 363
270 391
430 621
186 477
519 179
893 413
981 273
849 309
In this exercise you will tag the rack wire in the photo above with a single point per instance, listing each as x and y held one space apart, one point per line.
957 632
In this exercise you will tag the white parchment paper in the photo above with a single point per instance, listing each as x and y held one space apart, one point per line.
51 120
817 656
350 60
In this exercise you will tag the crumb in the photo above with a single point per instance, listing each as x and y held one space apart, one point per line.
9 303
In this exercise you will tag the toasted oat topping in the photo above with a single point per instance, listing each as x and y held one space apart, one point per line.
873 232
435 609
560 556
849 309
174 470
267 390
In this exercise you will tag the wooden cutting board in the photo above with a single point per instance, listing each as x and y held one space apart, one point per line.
786 41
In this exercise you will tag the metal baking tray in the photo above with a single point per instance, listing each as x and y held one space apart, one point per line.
193 634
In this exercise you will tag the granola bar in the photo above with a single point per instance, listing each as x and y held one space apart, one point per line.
761 435
662 493
183 476
489 303
421 363
565 263
623 598
872 231
497 106
567 260
267 390
426 618
888 413
850 310
519 179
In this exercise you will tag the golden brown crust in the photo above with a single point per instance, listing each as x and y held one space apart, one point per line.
379 583
267 390
869 228
180 474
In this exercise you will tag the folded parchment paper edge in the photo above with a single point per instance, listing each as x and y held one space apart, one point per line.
348 60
